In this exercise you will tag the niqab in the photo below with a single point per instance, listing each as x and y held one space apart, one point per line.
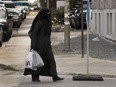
44 15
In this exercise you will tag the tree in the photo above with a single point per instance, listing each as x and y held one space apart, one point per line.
43 3
73 3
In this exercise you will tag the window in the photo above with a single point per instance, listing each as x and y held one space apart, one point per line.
13 13
2 13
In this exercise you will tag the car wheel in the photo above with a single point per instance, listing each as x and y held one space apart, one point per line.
18 26
6 36
10 34
0 44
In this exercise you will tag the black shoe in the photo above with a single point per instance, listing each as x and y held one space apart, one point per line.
35 78
57 79
36 81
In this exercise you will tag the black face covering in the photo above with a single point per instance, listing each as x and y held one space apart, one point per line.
46 20
45 16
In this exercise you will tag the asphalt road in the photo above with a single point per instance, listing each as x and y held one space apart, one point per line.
21 81
69 83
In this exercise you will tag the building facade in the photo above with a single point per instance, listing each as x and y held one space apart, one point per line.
104 18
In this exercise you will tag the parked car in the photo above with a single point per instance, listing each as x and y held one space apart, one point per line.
9 4
78 19
75 19
16 17
72 18
72 21
23 11
2 4
8 23
78 16
1 34
23 4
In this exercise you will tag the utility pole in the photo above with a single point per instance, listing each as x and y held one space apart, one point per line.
82 30
67 26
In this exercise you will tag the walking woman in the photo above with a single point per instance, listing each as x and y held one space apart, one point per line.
40 41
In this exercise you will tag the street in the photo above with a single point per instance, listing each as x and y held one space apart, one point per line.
13 53
21 81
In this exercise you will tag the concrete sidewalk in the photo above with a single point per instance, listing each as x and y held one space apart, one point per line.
67 64
74 64
13 54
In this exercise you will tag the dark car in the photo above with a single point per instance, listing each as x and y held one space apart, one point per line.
75 19
11 5
72 21
1 34
22 11
78 19
8 23
78 16
16 17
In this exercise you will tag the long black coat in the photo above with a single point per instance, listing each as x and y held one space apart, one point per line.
42 44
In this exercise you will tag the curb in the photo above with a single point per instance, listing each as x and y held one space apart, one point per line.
7 67
103 75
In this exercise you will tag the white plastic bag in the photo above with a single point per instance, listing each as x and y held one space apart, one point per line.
33 60
37 60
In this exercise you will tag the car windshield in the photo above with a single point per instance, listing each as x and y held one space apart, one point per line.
18 3
13 13
9 5
2 13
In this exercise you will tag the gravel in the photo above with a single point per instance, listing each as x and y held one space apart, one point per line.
99 47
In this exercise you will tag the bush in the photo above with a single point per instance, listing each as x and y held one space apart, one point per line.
60 14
